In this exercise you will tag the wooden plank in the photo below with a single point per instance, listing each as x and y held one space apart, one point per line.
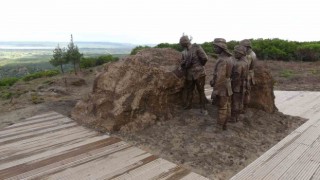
16 153
28 135
79 156
290 101
50 113
37 140
131 167
316 175
148 171
303 162
52 152
38 120
33 127
193 176
104 164
272 162
53 147
308 171
282 167
173 173
251 168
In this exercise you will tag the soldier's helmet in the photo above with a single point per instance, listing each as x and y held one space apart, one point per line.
222 43
184 40
246 43
240 49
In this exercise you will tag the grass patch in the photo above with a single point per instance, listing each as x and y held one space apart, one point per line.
314 71
286 73
6 95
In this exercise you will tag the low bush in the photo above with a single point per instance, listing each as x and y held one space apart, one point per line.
96 61
8 81
41 74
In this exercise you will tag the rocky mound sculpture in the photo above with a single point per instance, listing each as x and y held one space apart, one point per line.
139 90
262 96
133 92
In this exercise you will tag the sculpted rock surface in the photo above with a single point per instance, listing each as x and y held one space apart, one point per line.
139 90
262 96
134 92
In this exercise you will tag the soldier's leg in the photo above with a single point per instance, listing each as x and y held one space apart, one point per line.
190 88
236 106
246 101
200 87
222 111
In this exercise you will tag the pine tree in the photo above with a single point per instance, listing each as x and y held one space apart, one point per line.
73 55
58 58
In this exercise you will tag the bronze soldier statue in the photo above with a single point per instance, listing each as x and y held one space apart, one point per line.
221 81
193 60
239 81
251 60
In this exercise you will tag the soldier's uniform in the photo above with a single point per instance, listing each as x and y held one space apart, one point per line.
193 60
221 82
250 59
239 82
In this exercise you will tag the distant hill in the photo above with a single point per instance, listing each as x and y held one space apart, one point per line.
52 45
34 56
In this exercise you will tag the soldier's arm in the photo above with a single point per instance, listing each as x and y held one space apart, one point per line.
183 61
202 55
214 74
229 67
254 59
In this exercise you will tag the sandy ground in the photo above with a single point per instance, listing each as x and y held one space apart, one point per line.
190 139
196 142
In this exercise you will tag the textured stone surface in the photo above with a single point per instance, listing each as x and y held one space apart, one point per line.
262 96
134 92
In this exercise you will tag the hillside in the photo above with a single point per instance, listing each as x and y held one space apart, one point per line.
21 58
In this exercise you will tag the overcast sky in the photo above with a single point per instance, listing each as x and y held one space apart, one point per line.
156 21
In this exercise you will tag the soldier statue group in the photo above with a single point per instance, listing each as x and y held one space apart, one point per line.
233 77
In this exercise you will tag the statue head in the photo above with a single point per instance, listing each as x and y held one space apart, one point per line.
246 43
239 51
220 44
184 41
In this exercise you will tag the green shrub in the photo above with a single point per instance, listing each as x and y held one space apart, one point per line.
87 62
135 50
41 74
96 61
309 52
8 81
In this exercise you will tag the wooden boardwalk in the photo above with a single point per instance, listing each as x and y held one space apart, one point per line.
298 155
52 146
